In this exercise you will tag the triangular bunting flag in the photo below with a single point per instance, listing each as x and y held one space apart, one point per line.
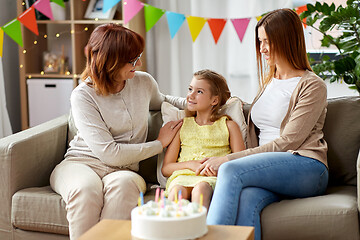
59 2
152 15
240 26
28 19
195 24
301 9
216 26
131 8
1 41
43 6
13 30
258 18
175 20
108 4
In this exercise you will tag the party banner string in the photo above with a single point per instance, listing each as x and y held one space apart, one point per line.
130 9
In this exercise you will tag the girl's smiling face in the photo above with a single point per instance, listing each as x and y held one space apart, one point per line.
199 97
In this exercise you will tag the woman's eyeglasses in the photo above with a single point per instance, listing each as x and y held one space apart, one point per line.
133 63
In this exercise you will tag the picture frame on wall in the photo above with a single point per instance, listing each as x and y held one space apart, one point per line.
95 10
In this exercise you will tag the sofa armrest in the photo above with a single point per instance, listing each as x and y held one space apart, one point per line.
27 159
358 180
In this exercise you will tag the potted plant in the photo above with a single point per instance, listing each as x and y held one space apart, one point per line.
346 66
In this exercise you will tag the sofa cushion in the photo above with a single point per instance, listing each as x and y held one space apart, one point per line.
333 215
39 209
342 134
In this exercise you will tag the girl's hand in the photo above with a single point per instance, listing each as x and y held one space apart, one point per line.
194 164
210 166
168 131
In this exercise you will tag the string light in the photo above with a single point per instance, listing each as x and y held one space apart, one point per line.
72 31
23 3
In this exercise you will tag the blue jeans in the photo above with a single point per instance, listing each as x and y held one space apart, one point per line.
246 185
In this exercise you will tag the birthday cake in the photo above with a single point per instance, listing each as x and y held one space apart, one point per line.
168 220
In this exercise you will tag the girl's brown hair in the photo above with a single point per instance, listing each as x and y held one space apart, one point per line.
285 35
218 87
110 47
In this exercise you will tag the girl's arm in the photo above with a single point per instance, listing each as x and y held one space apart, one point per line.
235 137
171 164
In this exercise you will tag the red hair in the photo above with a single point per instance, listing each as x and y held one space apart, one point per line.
110 47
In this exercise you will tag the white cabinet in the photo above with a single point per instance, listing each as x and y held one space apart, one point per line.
48 99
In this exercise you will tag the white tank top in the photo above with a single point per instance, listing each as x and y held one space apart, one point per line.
270 109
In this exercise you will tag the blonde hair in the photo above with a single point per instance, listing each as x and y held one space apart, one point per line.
218 87
285 34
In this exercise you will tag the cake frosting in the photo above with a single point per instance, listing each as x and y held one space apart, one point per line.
168 220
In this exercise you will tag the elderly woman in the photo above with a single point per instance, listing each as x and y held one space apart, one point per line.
98 179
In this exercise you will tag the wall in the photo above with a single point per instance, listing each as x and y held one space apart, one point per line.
11 66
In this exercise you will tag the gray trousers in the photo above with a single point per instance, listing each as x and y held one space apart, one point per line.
93 191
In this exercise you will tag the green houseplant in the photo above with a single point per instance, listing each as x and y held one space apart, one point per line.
346 66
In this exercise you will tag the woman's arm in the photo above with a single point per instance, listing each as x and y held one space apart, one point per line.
171 164
99 141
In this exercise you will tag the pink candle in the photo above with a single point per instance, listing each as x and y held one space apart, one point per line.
162 198
157 195
180 198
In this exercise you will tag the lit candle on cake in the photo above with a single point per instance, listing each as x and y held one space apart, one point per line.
157 195
139 204
176 198
180 198
201 202
142 198
162 198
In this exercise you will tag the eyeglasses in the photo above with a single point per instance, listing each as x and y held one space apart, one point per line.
133 63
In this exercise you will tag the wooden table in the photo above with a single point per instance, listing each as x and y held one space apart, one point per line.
120 230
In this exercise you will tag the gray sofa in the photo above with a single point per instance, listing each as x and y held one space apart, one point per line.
29 209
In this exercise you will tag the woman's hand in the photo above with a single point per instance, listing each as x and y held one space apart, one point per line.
168 131
210 166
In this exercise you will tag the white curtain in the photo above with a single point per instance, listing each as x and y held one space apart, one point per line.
173 61
5 127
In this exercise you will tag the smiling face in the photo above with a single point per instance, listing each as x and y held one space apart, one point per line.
199 97
128 71
264 44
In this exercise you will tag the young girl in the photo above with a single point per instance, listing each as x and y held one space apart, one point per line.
204 134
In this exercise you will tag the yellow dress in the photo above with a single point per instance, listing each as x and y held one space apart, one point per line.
198 142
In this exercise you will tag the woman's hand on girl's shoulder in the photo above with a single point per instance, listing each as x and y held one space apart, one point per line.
168 132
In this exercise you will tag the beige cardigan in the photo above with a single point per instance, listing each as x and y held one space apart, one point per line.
301 130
